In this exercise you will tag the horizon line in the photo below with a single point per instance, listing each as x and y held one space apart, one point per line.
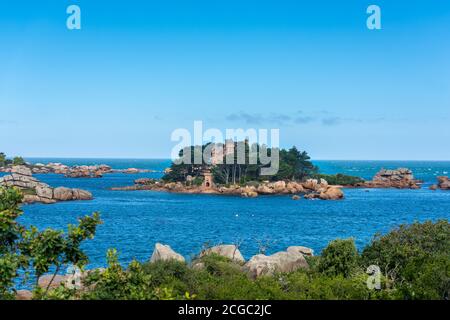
159 158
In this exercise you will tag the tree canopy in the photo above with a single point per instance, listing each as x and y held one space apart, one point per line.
28 252
293 164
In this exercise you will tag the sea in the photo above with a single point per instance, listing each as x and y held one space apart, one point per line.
133 221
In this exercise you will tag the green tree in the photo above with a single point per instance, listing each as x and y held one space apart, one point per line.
36 252
294 165
416 258
340 257
2 159
18 161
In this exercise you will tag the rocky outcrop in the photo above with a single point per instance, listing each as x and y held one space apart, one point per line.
164 253
229 251
83 171
36 191
88 171
443 183
284 261
24 295
331 193
51 281
320 189
312 188
249 192
294 187
401 178
300 249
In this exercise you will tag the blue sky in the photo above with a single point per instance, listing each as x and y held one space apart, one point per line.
137 70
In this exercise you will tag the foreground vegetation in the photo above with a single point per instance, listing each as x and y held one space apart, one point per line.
414 262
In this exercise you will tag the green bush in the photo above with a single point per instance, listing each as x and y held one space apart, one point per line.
32 252
2 159
197 181
18 161
339 179
416 258
339 258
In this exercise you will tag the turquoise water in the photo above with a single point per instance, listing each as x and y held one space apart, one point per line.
135 221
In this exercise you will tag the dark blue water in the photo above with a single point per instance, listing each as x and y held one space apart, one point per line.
135 221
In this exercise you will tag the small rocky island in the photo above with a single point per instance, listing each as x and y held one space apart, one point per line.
310 189
401 178
226 169
36 191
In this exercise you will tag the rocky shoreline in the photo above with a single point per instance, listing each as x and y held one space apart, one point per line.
36 191
84 171
311 189
401 178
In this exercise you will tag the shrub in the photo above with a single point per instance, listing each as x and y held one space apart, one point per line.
30 251
340 179
340 257
414 256
197 181
18 161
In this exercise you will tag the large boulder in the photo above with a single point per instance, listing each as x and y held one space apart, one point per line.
165 253
264 189
284 261
311 196
24 295
79 194
44 191
23 170
50 282
32 198
331 193
279 186
62 194
302 250
229 251
323 183
443 182
249 192
294 187
310 184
